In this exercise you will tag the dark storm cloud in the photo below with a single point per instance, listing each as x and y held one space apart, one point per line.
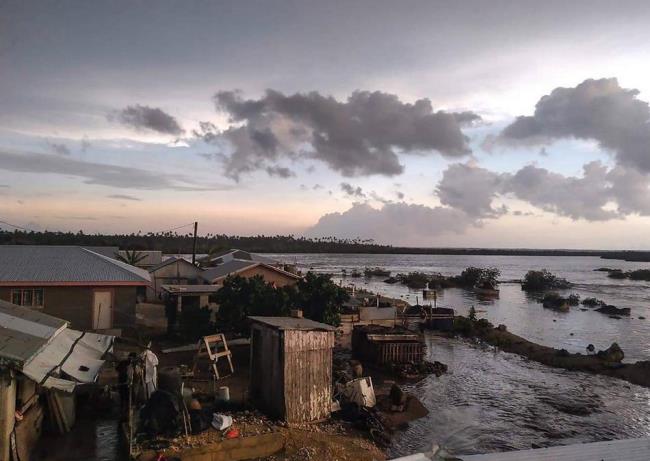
473 190
352 191
124 197
363 135
96 173
595 109
147 118
393 222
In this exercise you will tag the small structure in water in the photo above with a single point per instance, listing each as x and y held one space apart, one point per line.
291 368
380 346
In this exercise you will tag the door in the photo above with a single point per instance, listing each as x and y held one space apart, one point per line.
103 310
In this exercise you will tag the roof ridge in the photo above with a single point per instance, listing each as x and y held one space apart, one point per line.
131 270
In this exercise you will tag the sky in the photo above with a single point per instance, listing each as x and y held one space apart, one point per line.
417 123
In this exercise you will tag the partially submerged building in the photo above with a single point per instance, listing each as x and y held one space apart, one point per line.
90 290
40 355
291 368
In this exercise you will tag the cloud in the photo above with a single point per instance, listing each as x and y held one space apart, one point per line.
595 109
471 189
59 148
599 194
279 171
400 195
97 173
572 197
398 223
124 197
145 118
352 191
363 135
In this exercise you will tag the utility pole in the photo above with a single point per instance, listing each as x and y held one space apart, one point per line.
196 225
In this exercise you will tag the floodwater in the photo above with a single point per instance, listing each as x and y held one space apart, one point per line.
495 401
521 313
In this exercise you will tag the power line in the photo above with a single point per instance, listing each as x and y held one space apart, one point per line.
17 227
173 229
32 230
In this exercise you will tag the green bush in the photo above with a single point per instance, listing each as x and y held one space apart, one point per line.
543 280
414 280
319 298
474 276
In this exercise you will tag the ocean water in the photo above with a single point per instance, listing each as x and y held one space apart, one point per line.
495 401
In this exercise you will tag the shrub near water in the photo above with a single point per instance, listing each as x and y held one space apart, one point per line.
319 298
543 280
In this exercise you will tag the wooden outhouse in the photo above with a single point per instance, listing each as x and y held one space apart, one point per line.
291 368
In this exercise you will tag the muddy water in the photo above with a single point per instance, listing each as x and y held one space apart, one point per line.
493 401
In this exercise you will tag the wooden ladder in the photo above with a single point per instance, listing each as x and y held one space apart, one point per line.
209 346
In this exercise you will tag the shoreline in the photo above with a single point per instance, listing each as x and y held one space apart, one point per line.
607 363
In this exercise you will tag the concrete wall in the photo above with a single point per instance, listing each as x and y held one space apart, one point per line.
75 304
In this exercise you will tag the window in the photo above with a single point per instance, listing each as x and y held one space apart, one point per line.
29 297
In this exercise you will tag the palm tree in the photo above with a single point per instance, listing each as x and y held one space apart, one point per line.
131 257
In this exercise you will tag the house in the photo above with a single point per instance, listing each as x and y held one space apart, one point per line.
87 289
41 356
243 268
291 368
172 271
224 256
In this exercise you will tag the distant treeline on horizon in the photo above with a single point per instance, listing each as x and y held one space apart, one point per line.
175 243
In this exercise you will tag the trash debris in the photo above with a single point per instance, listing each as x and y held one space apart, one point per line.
221 422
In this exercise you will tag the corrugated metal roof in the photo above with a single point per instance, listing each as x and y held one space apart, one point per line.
41 346
235 266
234 253
614 450
225 269
23 332
292 323
169 261
52 264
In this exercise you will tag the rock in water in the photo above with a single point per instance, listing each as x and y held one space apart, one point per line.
613 310
613 354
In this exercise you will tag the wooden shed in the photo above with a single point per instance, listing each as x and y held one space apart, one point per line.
291 368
